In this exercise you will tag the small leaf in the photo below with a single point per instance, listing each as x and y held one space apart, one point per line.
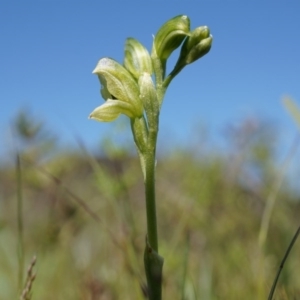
153 266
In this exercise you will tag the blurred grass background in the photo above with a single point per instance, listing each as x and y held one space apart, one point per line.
84 217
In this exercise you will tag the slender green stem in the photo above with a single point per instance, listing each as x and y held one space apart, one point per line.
152 261
150 198
20 222
172 75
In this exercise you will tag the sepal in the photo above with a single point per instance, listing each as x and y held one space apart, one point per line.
111 109
118 83
170 36
137 59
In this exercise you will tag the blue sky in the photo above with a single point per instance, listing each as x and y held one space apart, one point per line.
49 49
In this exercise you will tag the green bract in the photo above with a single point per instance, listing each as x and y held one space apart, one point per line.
140 133
137 59
170 36
117 84
148 97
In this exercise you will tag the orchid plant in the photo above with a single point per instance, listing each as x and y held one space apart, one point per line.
136 89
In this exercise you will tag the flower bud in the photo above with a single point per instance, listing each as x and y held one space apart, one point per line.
170 36
137 59
195 46
197 35
118 83
199 50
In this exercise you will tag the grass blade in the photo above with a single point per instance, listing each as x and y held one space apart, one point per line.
282 263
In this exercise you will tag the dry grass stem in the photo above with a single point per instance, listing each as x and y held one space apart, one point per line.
26 293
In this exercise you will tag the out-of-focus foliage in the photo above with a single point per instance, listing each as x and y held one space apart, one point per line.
84 217
293 110
32 137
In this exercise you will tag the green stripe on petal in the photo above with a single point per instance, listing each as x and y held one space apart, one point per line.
119 82
137 59
170 36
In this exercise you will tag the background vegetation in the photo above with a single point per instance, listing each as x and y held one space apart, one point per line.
83 215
